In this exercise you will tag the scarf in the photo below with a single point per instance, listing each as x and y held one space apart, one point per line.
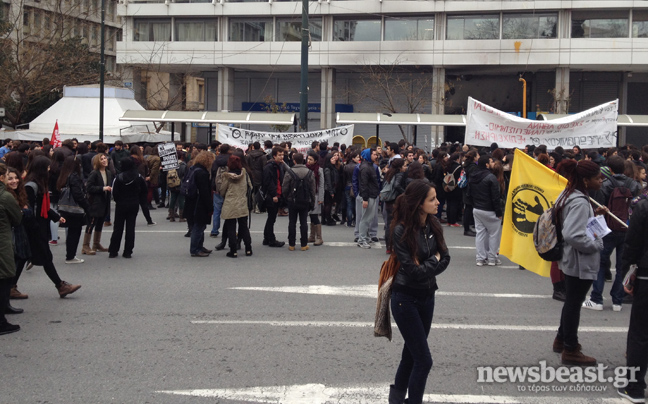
45 206
315 169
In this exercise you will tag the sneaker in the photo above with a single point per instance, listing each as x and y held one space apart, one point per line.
375 239
632 397
67 289
355 240
8 328
364 245
480 263
493 263
75 260
277 244
616 307
470 233
213 235
53 243
29 266
559 295
454 225
151 224
589 304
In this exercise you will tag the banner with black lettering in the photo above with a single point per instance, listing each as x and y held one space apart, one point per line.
594 128
301 141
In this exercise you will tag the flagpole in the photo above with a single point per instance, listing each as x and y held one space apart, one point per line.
102 71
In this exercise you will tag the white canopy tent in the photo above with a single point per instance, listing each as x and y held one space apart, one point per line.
78 117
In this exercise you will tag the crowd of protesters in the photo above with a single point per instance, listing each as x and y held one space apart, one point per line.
327 185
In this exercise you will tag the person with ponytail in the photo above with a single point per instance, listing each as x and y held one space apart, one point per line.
581 257
418 242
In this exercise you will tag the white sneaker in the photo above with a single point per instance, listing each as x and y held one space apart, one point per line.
364 245
616 307
480 263
74 260
589 304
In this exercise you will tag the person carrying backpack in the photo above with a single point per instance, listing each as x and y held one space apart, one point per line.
299 192
616 193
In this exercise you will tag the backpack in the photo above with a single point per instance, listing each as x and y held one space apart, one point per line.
173 180
619 204
449 181
188 187
547 237
218 180
301 196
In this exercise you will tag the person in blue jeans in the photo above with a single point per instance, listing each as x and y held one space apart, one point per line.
418 242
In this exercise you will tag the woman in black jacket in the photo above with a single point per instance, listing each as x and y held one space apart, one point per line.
99 187
396 176
454 197
199 207
331 180
71 177
417 239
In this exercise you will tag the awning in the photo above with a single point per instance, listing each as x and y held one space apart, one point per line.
259 118
623 120
400 119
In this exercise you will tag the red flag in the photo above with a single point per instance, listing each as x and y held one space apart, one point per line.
55 141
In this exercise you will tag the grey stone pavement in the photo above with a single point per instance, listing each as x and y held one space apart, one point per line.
280 327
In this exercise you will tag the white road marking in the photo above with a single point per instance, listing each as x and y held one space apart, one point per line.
360 324
372 291
371 394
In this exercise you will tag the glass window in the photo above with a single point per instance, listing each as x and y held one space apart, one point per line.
251 31
152 30
640 24
409 29
473 27
356 30
529 26
289 29
196 30
597 24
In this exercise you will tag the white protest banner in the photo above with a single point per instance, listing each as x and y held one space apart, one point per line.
596 127
168 156
301 141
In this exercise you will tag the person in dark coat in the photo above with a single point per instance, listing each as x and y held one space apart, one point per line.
199 207
71 177
99 187
39 203
273 174
129 192
256 160
486 194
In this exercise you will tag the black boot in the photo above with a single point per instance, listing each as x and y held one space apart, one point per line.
396 396
559 292
221 245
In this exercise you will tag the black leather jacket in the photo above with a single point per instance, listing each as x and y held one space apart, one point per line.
418 278
635 250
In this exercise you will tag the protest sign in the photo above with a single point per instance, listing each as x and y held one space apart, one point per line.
301 141
168 156
596 127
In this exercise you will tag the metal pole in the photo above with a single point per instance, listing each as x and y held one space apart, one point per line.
377 135
524 98
303 97
173 131
102 70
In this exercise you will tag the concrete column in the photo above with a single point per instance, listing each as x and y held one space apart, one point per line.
623 108
561 97
438 105
327 116
225 89
211 90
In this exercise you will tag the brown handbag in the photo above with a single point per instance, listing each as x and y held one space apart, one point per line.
382 323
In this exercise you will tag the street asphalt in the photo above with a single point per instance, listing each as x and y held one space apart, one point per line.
281 327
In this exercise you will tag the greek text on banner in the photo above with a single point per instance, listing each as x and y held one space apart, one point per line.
301 141
596 127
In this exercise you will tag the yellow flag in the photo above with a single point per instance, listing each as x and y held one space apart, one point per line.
533 189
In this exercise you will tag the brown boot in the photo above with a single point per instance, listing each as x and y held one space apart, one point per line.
171 216
558 345
67 289
182 219
574 357
96 244
86 245
311 238
318 235
15 293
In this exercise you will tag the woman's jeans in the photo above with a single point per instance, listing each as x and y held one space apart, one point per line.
414 319
576 290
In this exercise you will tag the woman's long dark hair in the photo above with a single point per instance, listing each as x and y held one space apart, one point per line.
70 165
38 172
19 193
244 163
415 171
394 168
575 172
407 212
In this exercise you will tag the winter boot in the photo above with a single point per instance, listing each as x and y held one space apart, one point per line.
182 219
172 215
574 357
96 243
559 292
86 245
318 235
396 396
311 238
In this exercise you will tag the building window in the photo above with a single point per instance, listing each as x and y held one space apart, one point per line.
196 30
640 24
289 29
409 29
250 31
529 26
473 27
356 30
600 24
152 30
